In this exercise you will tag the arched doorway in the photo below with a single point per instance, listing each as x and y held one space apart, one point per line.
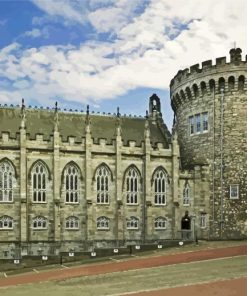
186 225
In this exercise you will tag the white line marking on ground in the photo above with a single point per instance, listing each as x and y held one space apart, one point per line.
5 275
35 270
64 266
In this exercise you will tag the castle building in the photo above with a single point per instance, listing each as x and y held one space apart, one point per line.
73 180
210 105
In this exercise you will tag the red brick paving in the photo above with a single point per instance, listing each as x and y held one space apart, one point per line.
139 263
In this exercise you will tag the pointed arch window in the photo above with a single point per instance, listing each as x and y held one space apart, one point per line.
39 222
6 222
71 181
6 182
132 223
160 187
39 183
103 223
160 223
72 223
132 183
186 194
102 183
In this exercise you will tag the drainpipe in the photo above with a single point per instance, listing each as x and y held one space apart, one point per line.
221 162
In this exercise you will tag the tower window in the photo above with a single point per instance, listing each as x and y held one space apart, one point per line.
198 123
234 191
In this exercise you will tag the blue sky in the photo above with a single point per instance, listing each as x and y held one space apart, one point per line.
109 53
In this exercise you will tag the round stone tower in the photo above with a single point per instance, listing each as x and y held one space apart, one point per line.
210 105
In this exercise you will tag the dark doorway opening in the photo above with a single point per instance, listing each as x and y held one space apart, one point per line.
186 226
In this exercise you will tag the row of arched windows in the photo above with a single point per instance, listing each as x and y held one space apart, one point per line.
201 89
72 222
71 183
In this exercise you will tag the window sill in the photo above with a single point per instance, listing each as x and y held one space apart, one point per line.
72 203
6 201
103 203
39 202
160 205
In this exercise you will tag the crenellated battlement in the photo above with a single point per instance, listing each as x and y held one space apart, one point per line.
198 81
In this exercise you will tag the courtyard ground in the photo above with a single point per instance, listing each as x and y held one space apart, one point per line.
211 267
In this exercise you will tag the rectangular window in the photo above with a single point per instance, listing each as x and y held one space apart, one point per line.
191 124
203 222
198 123
204 121
234 191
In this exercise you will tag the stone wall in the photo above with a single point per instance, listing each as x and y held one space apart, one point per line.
219 90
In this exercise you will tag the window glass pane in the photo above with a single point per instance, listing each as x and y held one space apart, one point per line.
205 121
191 124
198 123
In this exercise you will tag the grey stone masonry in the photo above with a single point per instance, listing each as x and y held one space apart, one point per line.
211 117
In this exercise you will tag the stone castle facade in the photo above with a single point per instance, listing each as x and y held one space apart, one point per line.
79 181
210 104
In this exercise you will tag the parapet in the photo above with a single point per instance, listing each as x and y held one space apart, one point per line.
207 66
198 81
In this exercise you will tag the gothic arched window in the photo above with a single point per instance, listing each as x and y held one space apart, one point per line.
71 181
6 222
72 223
39 182
186 194
40 222
132 183
6 182
160 187
103 223
132 223
102 183
160 223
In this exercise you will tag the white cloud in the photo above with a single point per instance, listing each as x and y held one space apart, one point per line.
149 48
35 33
112 18
74 11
